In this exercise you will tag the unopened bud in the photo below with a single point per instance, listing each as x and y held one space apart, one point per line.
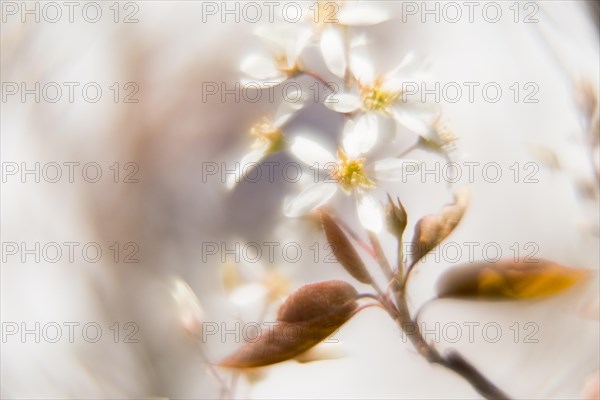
189 310
396 218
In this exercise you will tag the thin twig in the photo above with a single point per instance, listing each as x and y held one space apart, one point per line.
226 390
412 147
380 256
401 265
452 360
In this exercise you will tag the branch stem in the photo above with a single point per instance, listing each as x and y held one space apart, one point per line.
451 360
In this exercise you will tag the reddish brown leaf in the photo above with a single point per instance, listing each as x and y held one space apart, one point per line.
316 300
432 229
508 280
343 250
307 317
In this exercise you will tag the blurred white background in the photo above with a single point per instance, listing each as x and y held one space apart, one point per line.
170 212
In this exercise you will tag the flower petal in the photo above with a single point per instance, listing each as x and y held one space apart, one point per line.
370 213
291 103
411 73
312 197
361 14
361 67
418 123
359 41
393 169
311 153
286 39
245 166
409 59
259 67
295 47
343 102
249 84
250 294
332 50
360 136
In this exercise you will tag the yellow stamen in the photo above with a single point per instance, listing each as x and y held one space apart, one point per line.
266 134
283 65
446 138
351 174
377 99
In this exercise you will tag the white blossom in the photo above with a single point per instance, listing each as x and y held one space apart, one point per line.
385 95
349 171
331 22
285 42
268 139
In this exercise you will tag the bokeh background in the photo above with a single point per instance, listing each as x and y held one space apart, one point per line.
172 132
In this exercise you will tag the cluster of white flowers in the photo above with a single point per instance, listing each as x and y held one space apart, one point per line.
369 101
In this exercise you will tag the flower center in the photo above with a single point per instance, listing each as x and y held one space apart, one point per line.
266 134
351 173
283 65
377 99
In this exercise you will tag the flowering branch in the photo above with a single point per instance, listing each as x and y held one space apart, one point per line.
316 310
